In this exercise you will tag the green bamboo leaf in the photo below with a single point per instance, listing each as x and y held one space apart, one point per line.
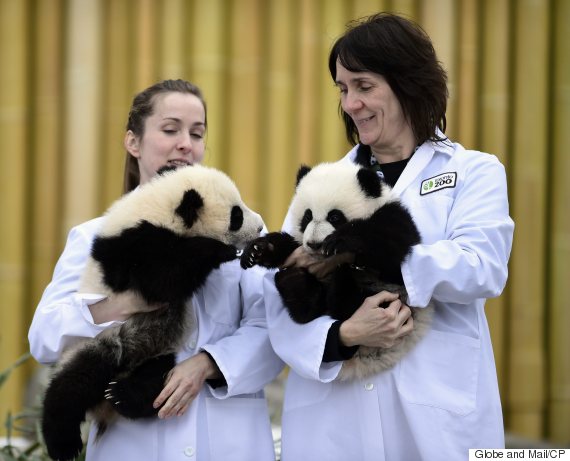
8 371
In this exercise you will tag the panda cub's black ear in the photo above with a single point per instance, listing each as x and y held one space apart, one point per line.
369 182
189 206
303 170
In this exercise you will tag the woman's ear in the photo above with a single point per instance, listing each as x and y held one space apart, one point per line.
132 144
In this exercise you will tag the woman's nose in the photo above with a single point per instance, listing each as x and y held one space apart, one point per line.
184 143
351 102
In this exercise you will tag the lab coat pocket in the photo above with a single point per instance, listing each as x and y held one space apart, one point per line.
239 429
430 214
442 372
303 392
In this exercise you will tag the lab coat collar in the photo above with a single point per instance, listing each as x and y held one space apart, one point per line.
417 163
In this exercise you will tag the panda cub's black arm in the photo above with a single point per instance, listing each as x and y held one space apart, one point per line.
271 250
159 264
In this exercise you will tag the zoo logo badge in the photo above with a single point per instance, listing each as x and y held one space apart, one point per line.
442 181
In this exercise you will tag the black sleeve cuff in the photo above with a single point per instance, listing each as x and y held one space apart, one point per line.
334 349
215 382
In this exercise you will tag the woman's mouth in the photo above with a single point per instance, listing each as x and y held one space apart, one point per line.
178 163
363 121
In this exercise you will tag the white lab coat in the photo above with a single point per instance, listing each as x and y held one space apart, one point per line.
442 398
224 423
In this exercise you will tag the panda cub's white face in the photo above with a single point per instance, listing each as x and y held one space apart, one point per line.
328 196
191 201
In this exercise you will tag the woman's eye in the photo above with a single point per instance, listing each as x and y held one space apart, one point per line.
365 88
169 131
197 135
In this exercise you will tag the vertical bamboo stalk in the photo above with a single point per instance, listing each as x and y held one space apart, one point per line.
244 111
493 138
330 130
408 8
526 399
558 287
46 147
306 70
117 78
279 101
362 8
14 46
145 46
438 17
209 56
83 110
467 73
172 31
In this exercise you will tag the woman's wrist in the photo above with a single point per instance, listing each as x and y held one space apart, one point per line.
211 370
347 335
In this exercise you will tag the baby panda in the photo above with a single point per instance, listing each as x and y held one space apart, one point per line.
159 242
343 211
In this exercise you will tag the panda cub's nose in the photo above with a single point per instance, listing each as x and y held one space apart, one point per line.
315 246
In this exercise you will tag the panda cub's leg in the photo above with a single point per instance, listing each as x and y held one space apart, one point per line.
303 295
344 294
74 389
133 394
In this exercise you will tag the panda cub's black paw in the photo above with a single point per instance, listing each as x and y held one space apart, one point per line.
257 252
341 242
133 395
270 251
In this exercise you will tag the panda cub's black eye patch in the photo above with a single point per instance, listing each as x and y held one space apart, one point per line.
307 218
189 206
336 218
236 218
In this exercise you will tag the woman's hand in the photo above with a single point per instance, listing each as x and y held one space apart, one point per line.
316 264
120 306
373 326
183 384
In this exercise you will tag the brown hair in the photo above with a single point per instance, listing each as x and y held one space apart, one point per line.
142 108
402 52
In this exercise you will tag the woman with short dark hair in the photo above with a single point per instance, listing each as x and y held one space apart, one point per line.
442 398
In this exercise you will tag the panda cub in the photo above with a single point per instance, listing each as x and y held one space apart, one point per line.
159 242
344 211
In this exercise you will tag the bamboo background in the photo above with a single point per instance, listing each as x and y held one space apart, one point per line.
69 69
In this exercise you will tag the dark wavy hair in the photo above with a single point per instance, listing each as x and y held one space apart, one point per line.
402 52
142 108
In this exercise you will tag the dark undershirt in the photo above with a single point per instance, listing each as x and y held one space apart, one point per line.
334 349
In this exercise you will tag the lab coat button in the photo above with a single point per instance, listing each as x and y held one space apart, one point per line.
192 344
369 386
189 451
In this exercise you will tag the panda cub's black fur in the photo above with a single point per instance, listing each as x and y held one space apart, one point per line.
159 242
343 209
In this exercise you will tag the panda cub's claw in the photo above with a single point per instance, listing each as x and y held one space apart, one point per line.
337 244
257 252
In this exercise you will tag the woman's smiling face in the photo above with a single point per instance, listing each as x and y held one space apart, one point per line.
173 134
368 99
